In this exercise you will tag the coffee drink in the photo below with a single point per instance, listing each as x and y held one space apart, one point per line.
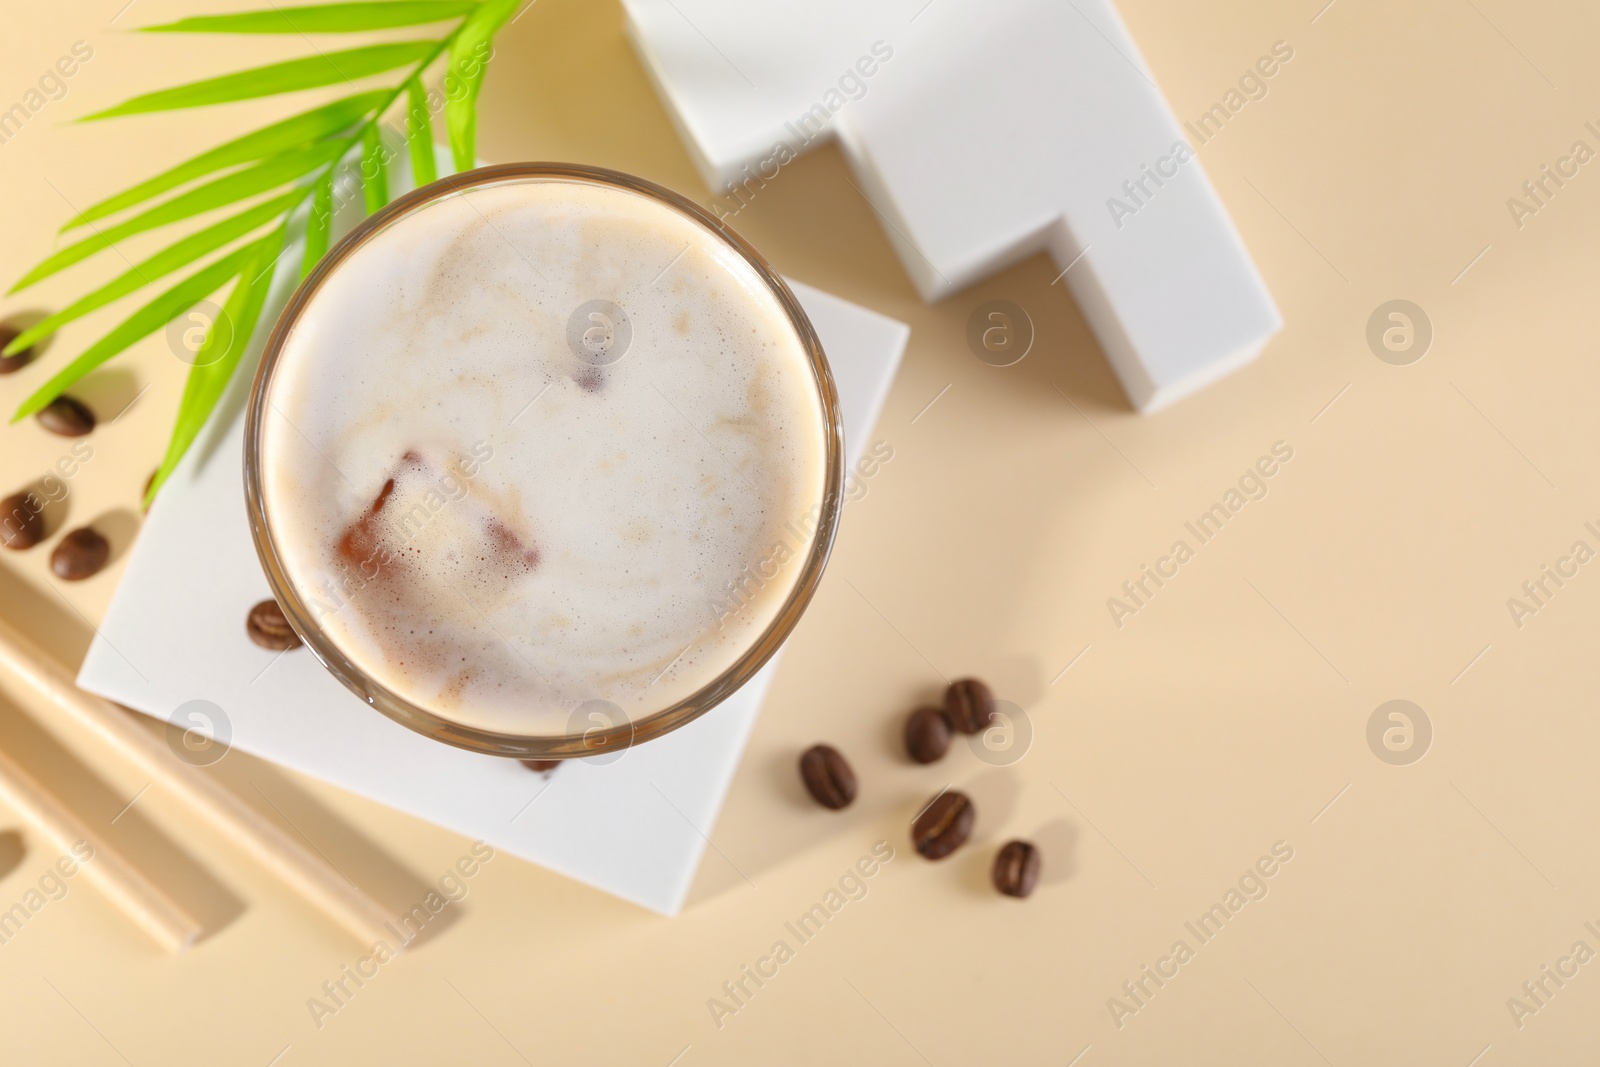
543 445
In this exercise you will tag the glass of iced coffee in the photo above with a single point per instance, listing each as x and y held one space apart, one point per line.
543 461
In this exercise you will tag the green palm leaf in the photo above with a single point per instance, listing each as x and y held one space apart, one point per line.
159 265
147 320
304 128
374 182
419 135
323 18
219 354
266 175
308 73
318 224
468 60
286 162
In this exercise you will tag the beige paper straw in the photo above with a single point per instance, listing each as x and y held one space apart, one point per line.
292 861
142 901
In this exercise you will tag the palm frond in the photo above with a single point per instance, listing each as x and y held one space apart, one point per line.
469 58
147 320
174 257
311 72
218 356
267 175
419 135
319 223
302 129
374 180
241 185
323 18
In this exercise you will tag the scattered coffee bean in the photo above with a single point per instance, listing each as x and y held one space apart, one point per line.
828 778
268 628
21 520
944 825
543 766
67 417
81 554
927 735
144 497
11 364
970 705
1016 869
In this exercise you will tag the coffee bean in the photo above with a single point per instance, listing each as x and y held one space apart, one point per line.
828 778
21 520
927 735
970 705
81 554
1016 869
268 628
11 364
944 825
67 417
144 497
543 766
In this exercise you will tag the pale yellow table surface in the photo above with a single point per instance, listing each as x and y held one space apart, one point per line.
1228 715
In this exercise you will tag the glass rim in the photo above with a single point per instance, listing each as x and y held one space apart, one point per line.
566 745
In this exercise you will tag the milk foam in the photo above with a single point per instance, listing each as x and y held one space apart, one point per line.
499 526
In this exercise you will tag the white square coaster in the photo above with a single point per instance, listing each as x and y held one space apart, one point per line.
175 633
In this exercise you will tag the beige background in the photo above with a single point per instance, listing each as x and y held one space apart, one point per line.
1224 717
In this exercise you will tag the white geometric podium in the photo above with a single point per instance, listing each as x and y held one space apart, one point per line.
981 131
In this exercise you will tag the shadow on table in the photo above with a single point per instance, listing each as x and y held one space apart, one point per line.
12 852
115 811
113 814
